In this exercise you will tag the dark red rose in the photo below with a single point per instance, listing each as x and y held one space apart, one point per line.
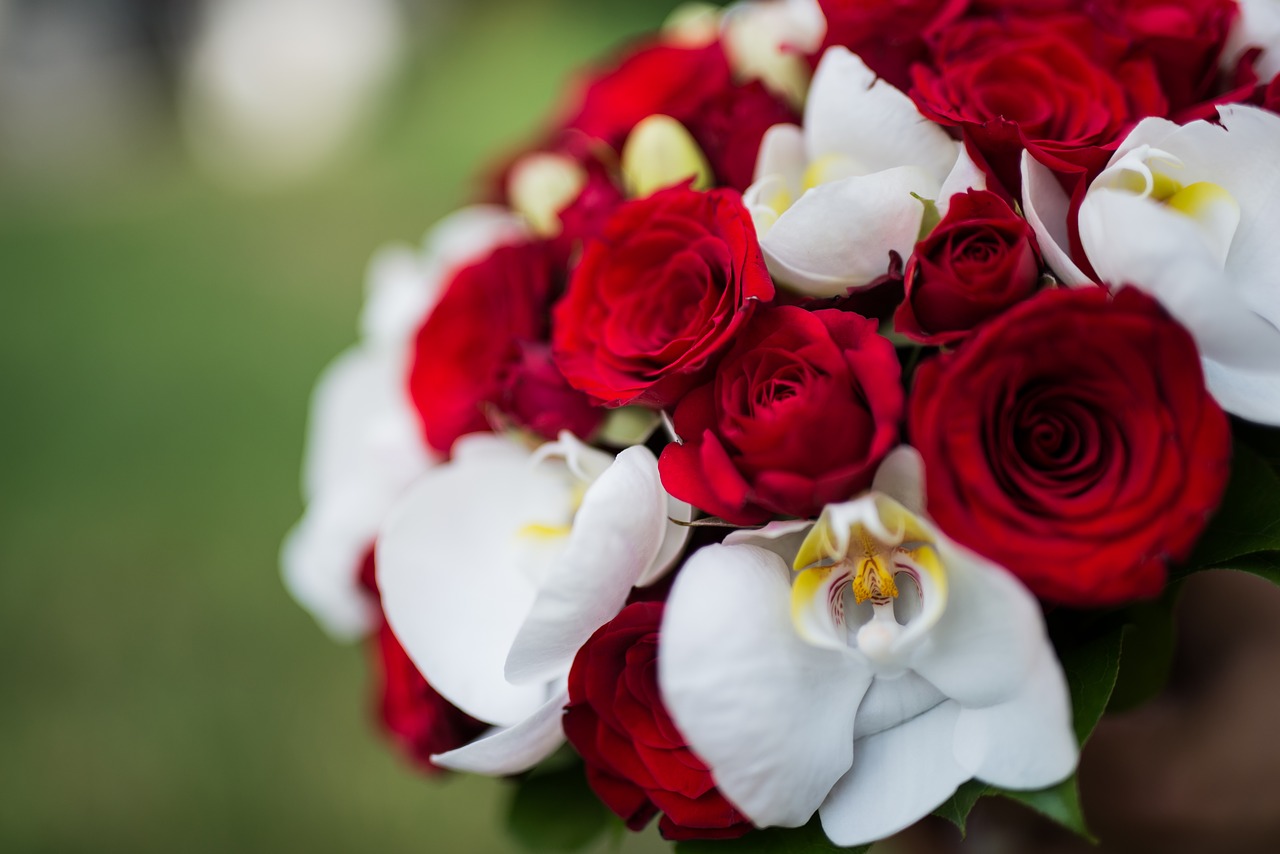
730 126
800 413
636 760
1184 38
420 721
1072 441
658 297
1057 86
672 80
473 345
980 260
889 35
538 398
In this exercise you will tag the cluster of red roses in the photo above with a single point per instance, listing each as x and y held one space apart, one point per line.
1066 434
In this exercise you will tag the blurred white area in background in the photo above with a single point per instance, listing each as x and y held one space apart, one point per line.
264 93
272 90
76 91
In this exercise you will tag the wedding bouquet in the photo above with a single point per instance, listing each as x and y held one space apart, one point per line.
793 429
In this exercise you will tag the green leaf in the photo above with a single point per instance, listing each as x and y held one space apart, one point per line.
1148 652
932 216
553 809
1060 803
1248 520
956 809
809 839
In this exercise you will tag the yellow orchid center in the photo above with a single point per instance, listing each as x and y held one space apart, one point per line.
856 568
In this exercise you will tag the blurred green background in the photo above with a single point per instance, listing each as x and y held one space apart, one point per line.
159 338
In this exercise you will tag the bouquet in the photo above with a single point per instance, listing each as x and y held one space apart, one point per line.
783 446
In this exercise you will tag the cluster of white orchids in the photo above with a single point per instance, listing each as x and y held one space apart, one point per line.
862 665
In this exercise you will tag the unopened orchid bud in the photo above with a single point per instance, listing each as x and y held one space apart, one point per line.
543 184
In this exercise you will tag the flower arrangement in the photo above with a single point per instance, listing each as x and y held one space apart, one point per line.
793 430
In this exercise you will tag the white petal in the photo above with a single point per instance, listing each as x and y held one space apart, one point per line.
361 426
898 777
901 477
321 559
616 535
674 538
782 155
987 640
1136 241
964 176
852 113
770 715
809 247
1258 25
1249 394
783 538
1026 742
511 750
1046 207
891 702
458 576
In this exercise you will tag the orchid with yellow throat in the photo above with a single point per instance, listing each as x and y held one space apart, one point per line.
498 565
870 681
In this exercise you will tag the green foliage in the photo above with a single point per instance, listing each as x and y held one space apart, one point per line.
1245 532
553 809
809 839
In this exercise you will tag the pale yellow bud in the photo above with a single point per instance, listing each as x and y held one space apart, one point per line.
692 25
660 152
541 185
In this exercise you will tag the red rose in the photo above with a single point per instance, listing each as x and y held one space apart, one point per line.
636 760
889 35
977 262
471 351
672 80
800 413
658 296
730 126
421 722
1056 85
1184 38
1072 441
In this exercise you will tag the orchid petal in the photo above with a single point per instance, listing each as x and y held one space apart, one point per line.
1251 395
854 114
782 154
986 641
770 715
783 538
1047 208
964 176
674 538
899 776
1132 240
1026 742
901 477
809 246
616 535
514 749
458 574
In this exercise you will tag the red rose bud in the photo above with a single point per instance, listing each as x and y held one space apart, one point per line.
889 36
475 340
657 298
636 760
1072 441
800 413
980 260
1057 86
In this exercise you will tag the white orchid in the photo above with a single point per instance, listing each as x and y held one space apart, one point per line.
1190 215
1257 25
497 566
364 446
892 667
832 200
768 40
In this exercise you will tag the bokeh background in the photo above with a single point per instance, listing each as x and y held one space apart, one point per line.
163 317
